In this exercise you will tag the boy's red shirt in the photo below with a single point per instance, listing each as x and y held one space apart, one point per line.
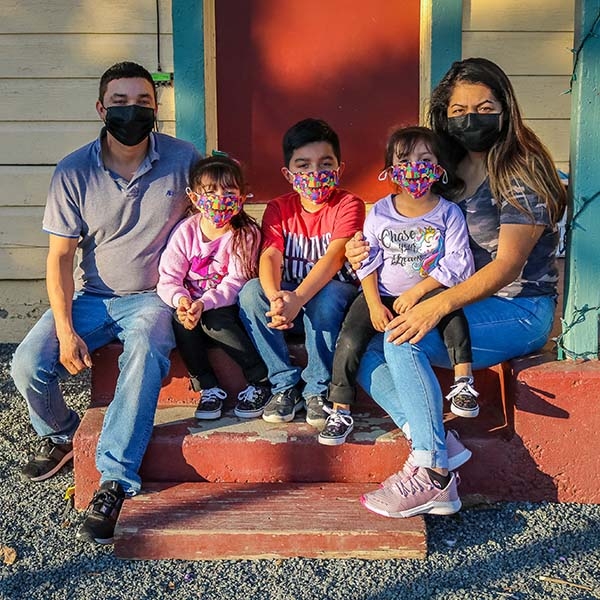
303 237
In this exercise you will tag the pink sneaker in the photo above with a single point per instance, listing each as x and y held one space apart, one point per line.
458 455
415 494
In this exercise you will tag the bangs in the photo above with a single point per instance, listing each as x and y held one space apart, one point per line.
225 174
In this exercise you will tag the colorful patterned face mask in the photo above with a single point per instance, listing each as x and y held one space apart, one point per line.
315 186
416 177
217 209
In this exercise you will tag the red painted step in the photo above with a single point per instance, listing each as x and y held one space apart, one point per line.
203 521
247 450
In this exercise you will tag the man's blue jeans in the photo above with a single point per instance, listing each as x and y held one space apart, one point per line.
401 378
320 320
142 322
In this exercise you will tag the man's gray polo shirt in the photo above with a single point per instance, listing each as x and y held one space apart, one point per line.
122 226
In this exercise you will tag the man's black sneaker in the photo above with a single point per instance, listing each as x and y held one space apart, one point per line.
282 406
315 411
463 398
102 513
339 426
251 401
49 460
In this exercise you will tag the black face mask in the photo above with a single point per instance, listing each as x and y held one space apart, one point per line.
475 132
130 124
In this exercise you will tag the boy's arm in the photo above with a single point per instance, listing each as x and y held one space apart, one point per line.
74 355
269 271
321 274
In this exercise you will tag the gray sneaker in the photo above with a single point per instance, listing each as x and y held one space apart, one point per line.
315 412
282 406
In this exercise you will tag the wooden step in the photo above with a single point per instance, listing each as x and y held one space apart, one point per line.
207 521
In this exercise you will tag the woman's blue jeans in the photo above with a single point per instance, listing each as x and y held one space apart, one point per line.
401 378
142 322
320 320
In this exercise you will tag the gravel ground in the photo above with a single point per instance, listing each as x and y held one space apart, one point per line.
498 551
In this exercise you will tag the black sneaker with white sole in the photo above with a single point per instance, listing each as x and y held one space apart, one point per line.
251 401
282 406
211 404
463 398
338 427
101 516
49 459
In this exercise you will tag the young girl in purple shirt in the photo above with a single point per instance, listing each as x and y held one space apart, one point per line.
418 246
208 258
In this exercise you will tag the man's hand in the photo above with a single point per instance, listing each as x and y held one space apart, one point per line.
74 354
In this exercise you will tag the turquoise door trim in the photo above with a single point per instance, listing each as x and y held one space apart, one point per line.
188 60
446 36
582 293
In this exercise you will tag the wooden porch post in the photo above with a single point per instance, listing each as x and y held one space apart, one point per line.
188 59
579 337
441 44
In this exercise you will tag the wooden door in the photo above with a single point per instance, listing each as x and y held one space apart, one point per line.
353 63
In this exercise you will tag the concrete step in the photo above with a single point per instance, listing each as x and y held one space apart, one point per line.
204 521
247 450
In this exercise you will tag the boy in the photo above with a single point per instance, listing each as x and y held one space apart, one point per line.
304 281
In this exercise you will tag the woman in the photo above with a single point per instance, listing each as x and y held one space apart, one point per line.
512 200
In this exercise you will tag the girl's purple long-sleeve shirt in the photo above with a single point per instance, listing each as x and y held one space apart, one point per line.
200 270
405 250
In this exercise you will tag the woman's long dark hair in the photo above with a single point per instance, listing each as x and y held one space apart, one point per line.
227 172
518 156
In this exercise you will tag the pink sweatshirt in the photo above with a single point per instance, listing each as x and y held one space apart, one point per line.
200 270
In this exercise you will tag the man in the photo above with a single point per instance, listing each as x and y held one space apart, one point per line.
116 199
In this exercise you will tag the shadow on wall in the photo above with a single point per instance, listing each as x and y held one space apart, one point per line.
354 64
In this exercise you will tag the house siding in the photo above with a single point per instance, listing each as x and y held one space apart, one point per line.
54 53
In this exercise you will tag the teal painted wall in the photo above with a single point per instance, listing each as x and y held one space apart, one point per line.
446 36
188 59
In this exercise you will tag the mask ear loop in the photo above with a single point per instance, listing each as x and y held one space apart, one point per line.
383 175
445 177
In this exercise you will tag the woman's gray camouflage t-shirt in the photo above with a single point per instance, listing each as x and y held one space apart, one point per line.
484 216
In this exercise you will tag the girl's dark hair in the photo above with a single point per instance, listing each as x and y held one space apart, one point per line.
227 172
406 138
518 156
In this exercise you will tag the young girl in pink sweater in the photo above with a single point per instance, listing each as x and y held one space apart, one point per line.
209 257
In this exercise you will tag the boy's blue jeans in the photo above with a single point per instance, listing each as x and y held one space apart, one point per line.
142 322
320 320
401 378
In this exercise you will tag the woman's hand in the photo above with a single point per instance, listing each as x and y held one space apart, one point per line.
414 324
357 249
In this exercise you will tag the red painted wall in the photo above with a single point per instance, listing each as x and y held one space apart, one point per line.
353 63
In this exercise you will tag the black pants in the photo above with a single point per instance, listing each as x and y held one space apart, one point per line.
217 327
357 331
